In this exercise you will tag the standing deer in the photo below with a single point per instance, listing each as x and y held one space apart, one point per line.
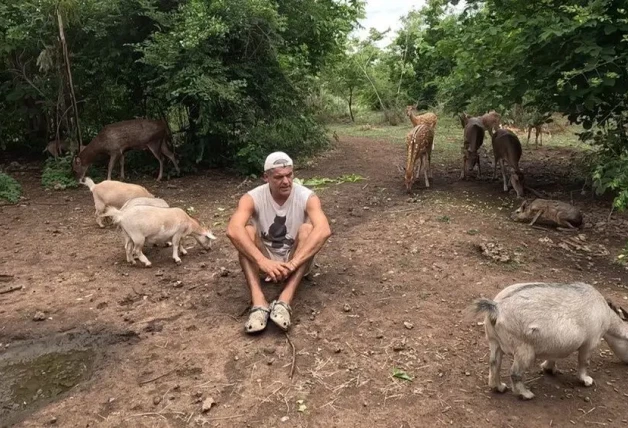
491 121
417 143
117 138
473 139
538 122
429 119
507 149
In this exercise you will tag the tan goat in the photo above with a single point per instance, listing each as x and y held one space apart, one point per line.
111 193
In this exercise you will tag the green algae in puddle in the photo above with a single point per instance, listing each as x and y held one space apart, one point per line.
28 381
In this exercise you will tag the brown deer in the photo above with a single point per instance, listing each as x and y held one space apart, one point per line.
538 122
57 147
473 139
117 138
418 142
429 119
507 148
491 121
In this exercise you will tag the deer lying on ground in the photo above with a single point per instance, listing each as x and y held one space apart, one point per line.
145 224
549 212
57 147
507 149
111 193
429 119
548 321
473 139
117 138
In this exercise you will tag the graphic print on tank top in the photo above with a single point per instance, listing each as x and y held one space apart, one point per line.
278 234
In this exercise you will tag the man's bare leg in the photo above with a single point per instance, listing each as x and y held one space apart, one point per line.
295 278
251 274
258 316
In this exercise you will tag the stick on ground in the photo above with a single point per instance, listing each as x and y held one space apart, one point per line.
294 355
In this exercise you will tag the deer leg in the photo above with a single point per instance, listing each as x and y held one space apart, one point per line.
504 175
464 165
495 168
112 161
479 168
122 166
156 151
425 160
536 217
166 151
529 131
429 162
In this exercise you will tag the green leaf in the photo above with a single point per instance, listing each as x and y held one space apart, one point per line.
401 374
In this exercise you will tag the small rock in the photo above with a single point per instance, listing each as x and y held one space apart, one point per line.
285 418
346 307
159 273
39 316
338 350
399 347
203 265
53 420
156 400
587 399
408 325
177 284
467 373
224 271
207 404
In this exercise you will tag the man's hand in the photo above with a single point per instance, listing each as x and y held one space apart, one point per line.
275 271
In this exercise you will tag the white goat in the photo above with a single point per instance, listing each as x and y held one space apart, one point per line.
146 224
110 193
548 321
153 202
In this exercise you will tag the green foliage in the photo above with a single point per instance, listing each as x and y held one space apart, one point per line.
232 76
10 189
58 175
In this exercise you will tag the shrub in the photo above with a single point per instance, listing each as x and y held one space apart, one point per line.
10 189
57 174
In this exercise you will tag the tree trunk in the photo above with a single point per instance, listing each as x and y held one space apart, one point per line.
68 71
351 104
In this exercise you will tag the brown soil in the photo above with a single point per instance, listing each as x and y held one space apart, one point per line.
394 259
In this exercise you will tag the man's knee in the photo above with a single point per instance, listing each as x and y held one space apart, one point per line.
304 231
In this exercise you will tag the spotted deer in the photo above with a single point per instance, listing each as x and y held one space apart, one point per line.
429 119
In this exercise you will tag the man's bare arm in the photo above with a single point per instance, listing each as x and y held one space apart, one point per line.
319 235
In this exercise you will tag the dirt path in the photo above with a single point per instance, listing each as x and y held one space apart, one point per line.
388 292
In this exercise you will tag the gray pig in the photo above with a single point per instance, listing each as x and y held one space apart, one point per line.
549 212
548 321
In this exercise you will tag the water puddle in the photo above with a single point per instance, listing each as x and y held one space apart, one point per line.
36 373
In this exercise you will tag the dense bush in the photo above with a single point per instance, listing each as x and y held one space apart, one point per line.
10 189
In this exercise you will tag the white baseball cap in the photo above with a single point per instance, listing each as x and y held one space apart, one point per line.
277 160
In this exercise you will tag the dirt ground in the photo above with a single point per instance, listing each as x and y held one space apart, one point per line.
388 292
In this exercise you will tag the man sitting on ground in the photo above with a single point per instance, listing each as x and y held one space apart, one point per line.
277 229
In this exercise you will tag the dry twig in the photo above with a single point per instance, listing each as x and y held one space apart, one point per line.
294 355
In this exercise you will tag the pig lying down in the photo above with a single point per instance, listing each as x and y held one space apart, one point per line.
155 225
548 321
549 212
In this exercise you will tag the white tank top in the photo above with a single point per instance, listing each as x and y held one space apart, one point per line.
277 224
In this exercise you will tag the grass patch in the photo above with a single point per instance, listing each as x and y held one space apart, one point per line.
10 189
321 182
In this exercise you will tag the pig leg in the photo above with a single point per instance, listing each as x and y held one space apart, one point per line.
176 241
536 217
549 366
584 353
495 364
522 359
